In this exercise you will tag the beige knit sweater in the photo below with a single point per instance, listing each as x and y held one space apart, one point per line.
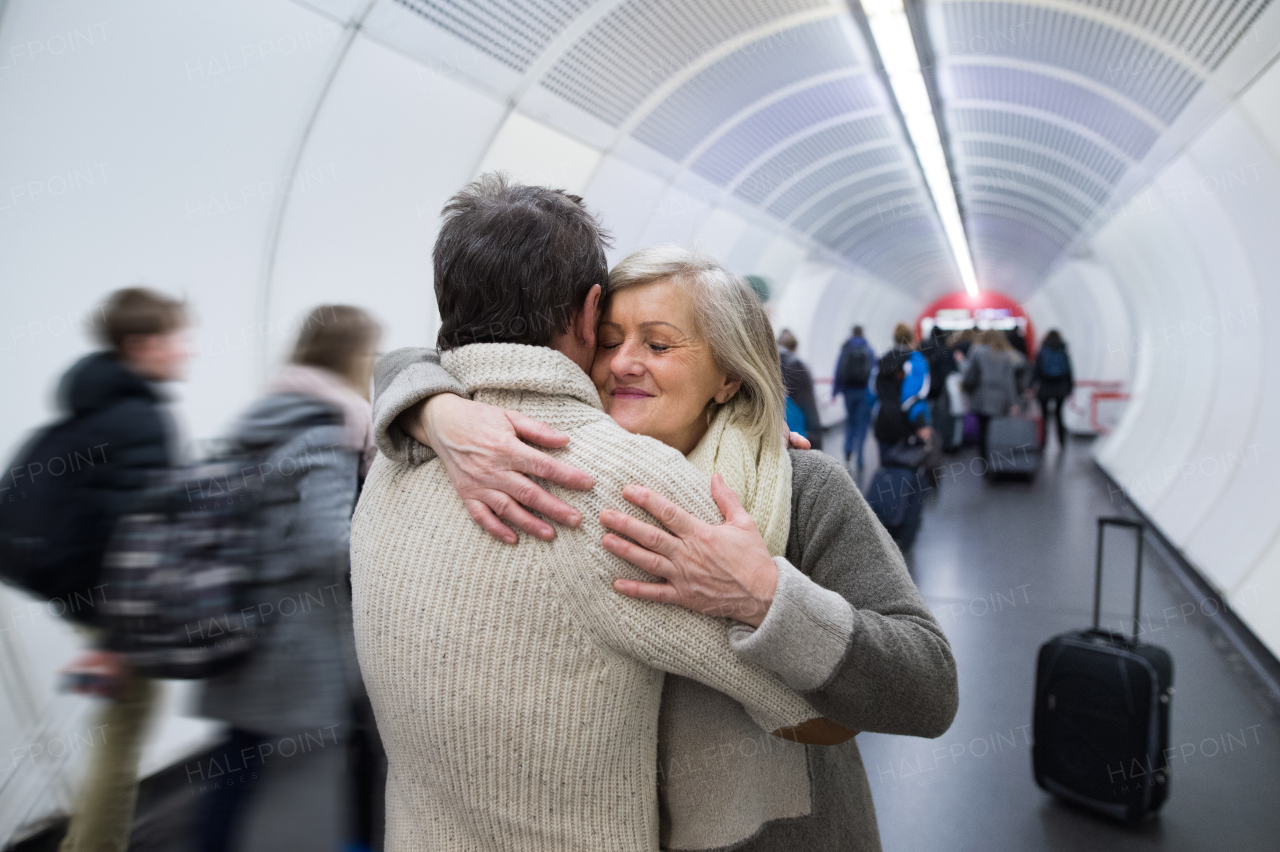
517 694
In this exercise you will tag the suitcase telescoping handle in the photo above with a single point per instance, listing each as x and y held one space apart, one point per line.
1137 526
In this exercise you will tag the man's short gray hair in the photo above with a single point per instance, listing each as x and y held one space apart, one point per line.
732 321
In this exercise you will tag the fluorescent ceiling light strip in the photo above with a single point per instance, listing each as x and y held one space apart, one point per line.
892 33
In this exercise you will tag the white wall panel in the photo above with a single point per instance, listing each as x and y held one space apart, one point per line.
392 143
623 195
342 10
750 248
151 153
675 218
779 261
1195 259
533 153
1153 257
1244 520
720 233
183 124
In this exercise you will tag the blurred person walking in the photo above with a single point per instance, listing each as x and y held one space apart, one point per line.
1053 381
942 363
302 682
852 376
802 406
990 379
903 377
905 436
116 437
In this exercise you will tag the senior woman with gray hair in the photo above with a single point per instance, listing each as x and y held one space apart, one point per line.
811 585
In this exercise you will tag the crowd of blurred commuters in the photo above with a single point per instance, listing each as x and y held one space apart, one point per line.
934 395
302 677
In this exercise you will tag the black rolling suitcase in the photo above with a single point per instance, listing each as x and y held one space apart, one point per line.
1101 725
1013 448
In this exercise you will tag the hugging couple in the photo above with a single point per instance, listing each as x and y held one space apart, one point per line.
712 600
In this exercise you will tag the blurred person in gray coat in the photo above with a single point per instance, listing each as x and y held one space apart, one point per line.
291 706
991 380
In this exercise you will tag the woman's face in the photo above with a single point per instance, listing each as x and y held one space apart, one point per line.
654 373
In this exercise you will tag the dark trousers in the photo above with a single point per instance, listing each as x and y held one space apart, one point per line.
984 424
1056 403
225 808
858 417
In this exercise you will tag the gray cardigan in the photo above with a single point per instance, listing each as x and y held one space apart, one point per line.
997 375
303 675
847 629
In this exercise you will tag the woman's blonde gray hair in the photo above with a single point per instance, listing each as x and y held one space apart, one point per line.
731 320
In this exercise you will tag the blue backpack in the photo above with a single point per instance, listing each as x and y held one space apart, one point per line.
1053 363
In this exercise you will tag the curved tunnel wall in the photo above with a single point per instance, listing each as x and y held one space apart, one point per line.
1178 292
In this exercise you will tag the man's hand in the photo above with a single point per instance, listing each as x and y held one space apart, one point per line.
924 432
720 570
483 451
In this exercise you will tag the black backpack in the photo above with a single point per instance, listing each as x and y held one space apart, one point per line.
52 525
892 424
854 369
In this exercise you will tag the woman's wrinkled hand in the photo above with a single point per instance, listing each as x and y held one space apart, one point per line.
484 451
722 570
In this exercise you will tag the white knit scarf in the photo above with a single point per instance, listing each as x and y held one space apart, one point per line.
757 470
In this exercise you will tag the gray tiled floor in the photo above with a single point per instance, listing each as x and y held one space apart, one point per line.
1005 566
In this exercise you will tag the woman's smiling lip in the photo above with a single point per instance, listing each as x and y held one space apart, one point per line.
629 393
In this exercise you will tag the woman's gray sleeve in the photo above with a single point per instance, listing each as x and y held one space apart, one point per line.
402 379
879 663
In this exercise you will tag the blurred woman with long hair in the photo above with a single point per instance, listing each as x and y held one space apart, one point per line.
291 706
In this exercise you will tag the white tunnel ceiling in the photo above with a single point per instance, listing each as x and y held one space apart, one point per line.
773 101
1049 103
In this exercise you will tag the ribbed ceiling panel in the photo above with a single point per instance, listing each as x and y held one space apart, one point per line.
1205 29
1134 68
514 32
1076 104
800 155
1041 132
1047 106
819 182
643 43
701 105
1016 158
730 154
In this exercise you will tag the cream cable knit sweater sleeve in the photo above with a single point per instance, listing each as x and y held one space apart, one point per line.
516 692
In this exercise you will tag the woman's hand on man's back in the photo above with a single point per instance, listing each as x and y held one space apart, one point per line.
484 452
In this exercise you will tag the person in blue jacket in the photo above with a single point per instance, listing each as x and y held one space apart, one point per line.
908 369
